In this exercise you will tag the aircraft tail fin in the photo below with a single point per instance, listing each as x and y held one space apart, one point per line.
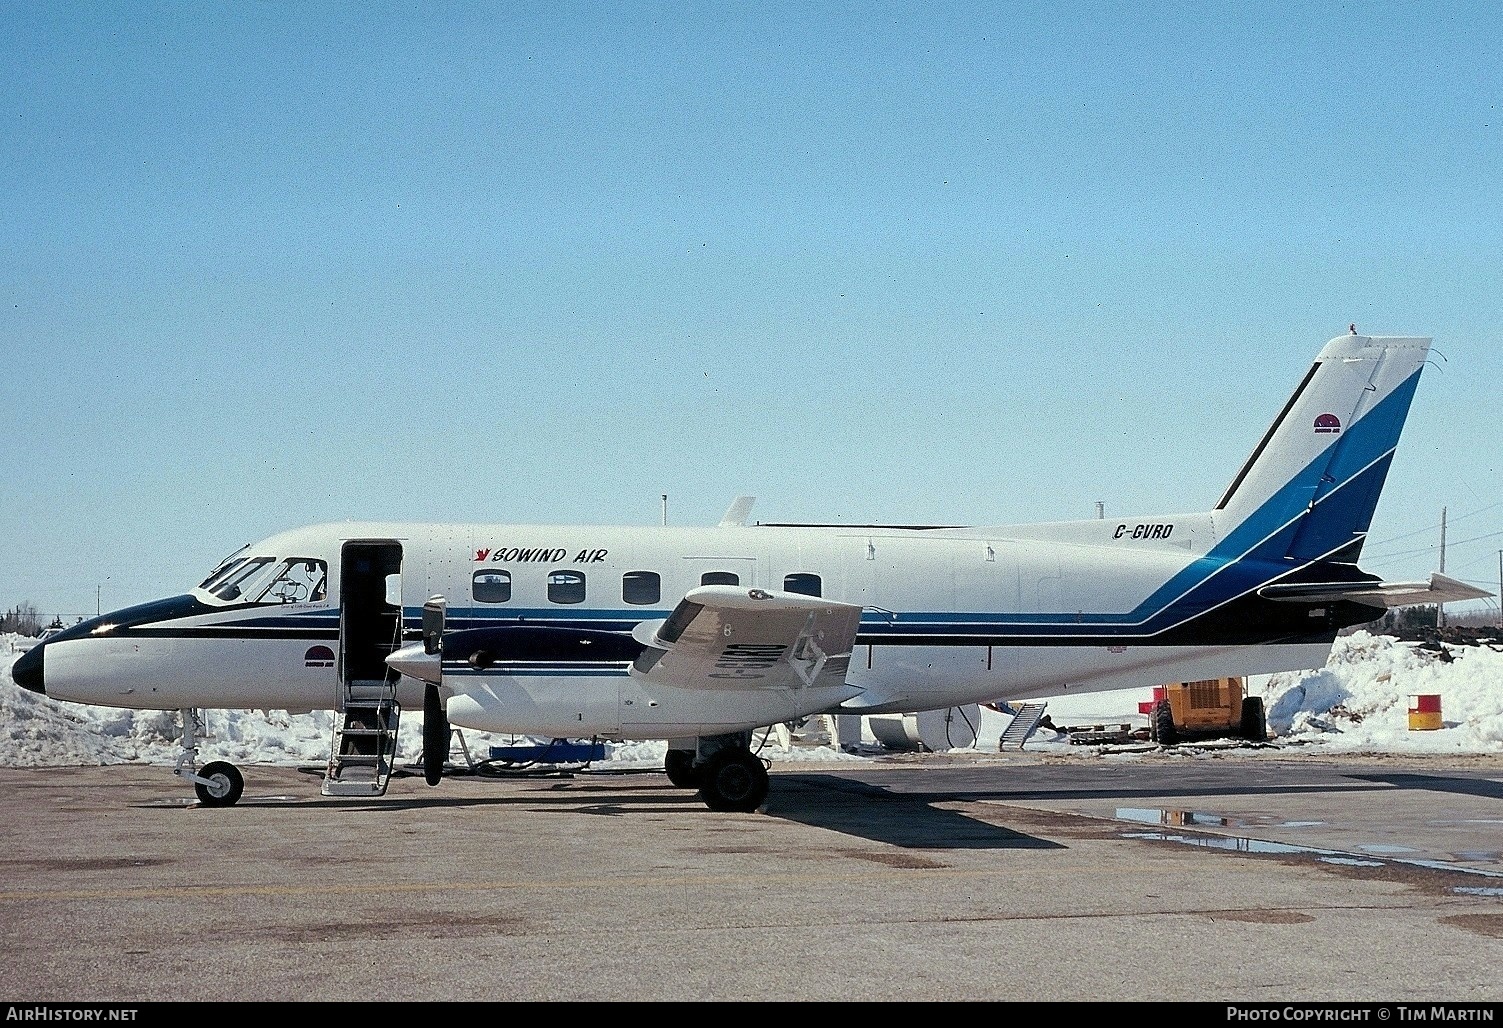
1309 489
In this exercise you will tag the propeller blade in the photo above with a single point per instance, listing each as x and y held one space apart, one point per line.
436 733
433 624
436 736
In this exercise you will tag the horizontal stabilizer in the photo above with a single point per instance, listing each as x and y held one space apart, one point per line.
1439 589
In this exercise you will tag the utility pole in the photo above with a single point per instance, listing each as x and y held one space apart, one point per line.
1500 588
665 508
1100 510
1440 608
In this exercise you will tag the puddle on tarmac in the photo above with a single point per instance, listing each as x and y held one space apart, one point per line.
1235 844
1178 818
1242 844
1186 818
1352 861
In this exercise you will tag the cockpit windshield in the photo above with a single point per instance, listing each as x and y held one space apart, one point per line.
231 583
268 580
223 568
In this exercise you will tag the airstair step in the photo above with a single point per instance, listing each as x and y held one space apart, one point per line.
363 749
1025 719
339 787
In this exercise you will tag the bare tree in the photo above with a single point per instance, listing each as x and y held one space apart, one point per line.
21 619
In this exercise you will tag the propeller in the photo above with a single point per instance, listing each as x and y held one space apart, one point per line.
436 732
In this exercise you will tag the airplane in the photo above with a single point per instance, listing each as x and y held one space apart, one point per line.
701 636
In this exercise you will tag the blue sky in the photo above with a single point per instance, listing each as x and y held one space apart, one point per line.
268 264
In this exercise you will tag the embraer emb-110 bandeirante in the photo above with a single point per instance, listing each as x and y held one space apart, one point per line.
702 636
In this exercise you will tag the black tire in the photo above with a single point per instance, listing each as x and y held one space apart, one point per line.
1161 724
734 782
679 766
226 787
1254 719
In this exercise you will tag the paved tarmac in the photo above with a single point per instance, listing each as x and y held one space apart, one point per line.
1255 876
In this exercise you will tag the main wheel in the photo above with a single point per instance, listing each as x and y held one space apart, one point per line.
734 781
1162 722
679 765
225 785
1254 719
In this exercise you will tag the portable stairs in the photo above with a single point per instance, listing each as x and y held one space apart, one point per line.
363 751
1022 725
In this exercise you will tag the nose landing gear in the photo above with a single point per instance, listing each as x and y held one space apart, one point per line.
219 784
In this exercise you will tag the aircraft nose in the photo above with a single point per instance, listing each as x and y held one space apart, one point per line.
27 670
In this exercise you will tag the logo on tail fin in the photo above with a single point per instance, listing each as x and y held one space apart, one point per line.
1327 423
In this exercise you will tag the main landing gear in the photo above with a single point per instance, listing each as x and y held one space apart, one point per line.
218 784
729 777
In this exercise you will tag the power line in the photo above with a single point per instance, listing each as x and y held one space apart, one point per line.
1431 528
1381 558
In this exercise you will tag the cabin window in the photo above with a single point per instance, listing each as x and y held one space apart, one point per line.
641 587
802 583
299 580
565 587
491 586
720 578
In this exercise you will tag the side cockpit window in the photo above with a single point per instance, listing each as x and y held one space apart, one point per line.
298 580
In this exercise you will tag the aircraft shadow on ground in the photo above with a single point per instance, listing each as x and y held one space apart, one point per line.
1484 787
911 820
828 801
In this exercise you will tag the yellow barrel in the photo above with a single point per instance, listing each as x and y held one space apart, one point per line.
1424 713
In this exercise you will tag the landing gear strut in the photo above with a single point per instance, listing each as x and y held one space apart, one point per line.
219 784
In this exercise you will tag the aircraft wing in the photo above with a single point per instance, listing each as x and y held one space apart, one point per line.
1439 589
732 637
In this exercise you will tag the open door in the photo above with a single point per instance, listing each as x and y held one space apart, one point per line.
370 610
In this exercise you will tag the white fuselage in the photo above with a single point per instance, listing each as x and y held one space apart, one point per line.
951 616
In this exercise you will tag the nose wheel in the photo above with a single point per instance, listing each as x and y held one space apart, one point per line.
218 784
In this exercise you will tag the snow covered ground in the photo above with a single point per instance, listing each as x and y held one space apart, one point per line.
1359 702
